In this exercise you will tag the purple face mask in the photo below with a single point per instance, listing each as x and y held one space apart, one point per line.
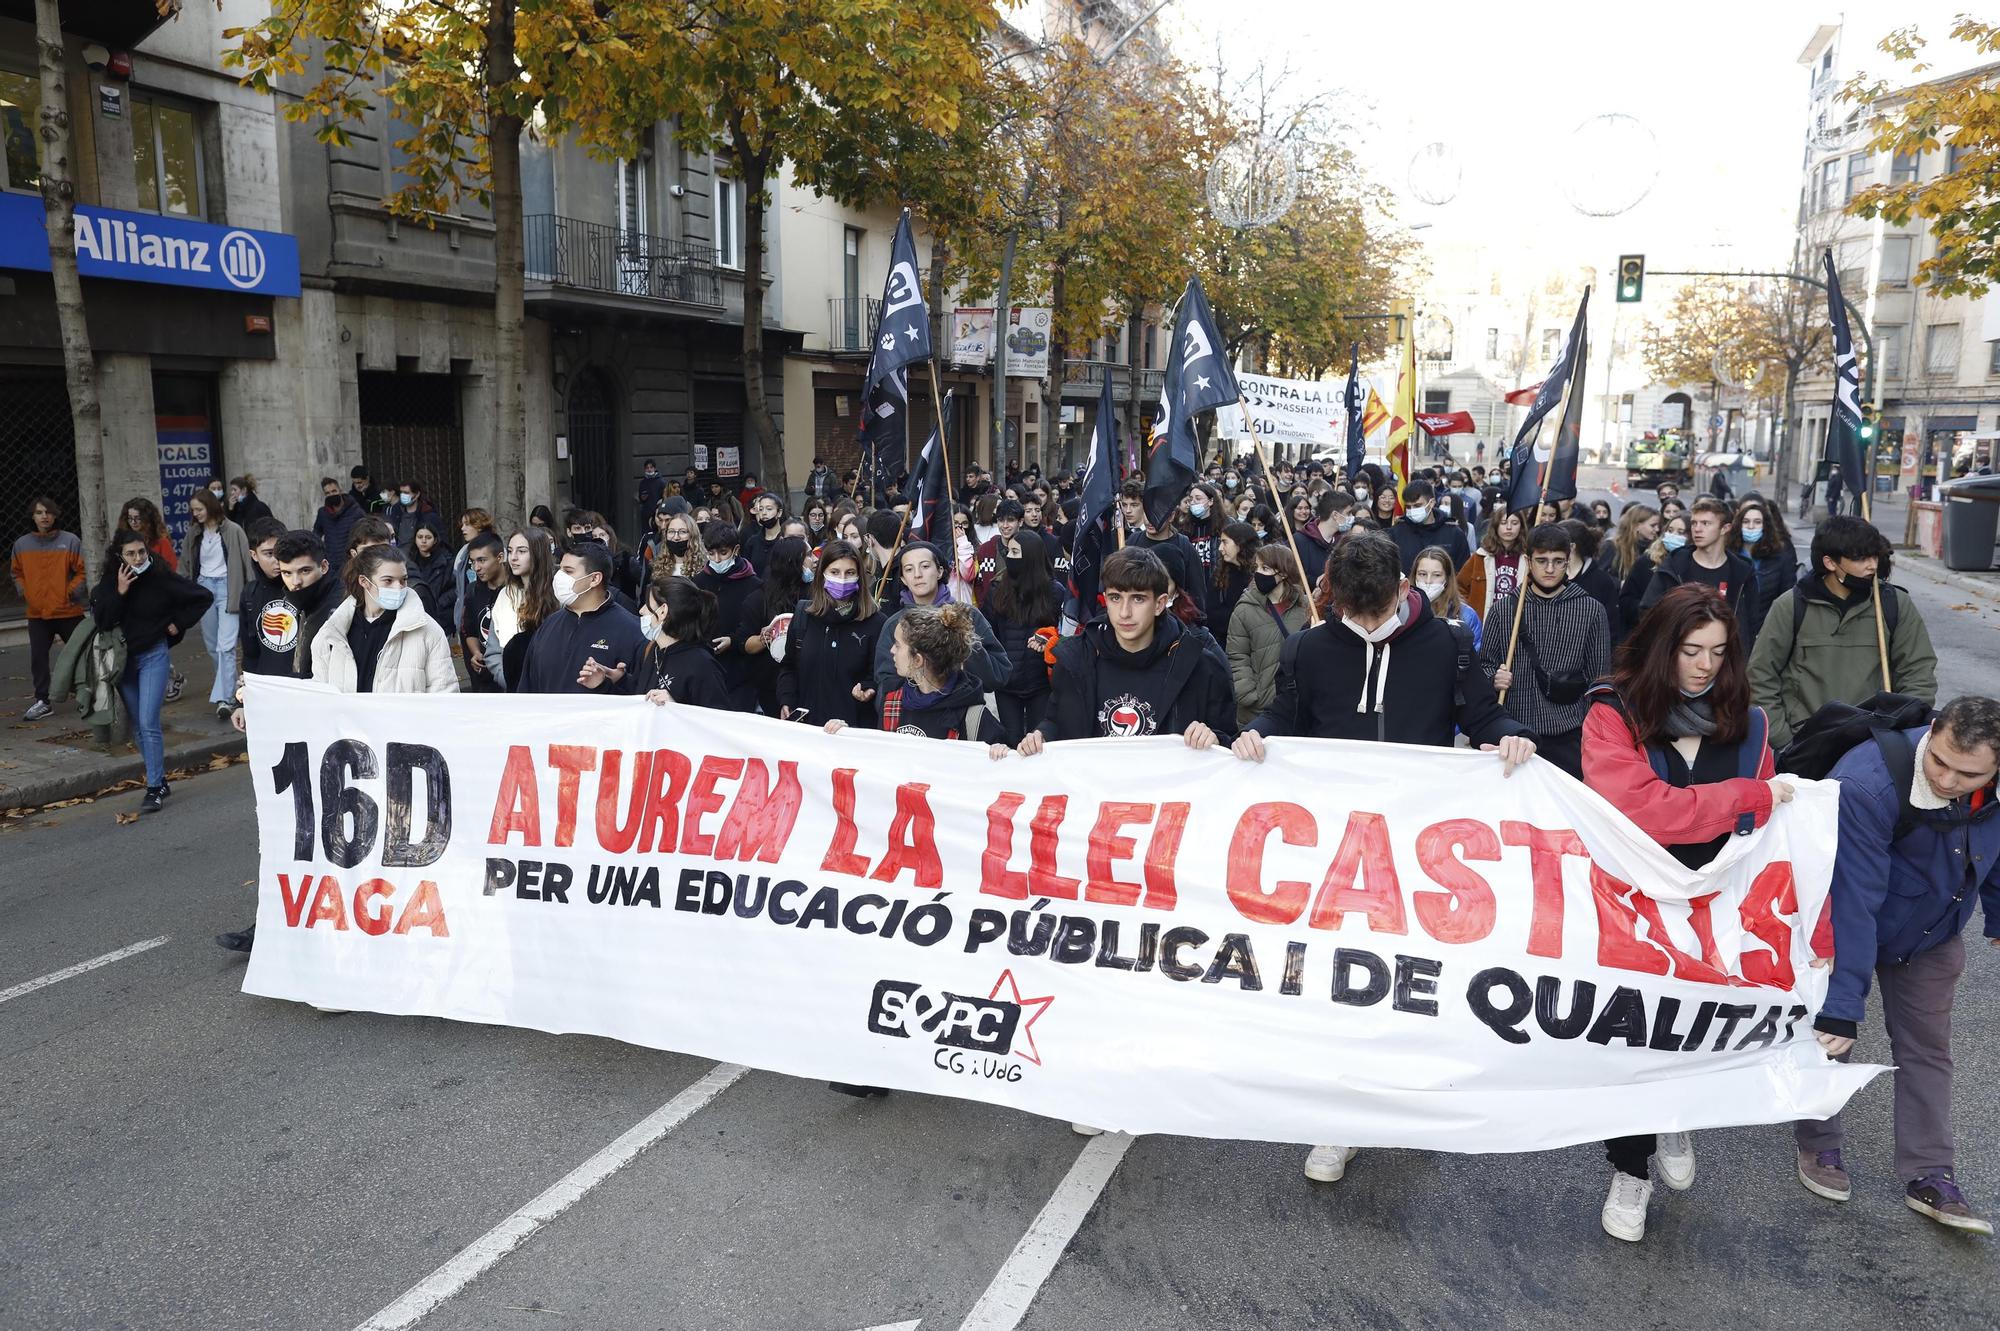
841 589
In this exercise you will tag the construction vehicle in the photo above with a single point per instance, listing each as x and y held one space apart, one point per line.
1657 457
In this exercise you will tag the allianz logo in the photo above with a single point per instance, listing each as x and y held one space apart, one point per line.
239 256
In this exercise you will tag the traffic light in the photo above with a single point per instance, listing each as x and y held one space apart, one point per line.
1867 431
1631 278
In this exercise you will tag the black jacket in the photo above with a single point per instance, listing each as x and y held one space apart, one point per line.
686 670
1633 590
608 635
825 657
1739 587
731 590
1101 689
247 510
1602 584
1313 550
1412 540
1434 685
1775 576
158 597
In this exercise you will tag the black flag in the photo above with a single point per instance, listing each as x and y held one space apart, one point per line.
1843 435
1527 467
1198 379
1099 501
902 335
1357 436
930 491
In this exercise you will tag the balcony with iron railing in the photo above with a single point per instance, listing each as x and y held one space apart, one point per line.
850 323
1084 379
574 255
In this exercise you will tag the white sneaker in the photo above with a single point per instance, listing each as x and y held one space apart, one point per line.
38 711
1085 1130
1675 1157
1625 1206
1328 1164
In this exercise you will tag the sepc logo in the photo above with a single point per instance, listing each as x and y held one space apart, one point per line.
1000 1023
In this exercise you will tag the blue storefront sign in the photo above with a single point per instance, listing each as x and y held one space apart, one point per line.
146 247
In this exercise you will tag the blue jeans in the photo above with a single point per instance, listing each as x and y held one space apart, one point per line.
142 686
218 634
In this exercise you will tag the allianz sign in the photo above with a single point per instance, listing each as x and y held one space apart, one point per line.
143 247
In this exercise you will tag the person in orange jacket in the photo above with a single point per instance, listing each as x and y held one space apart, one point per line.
49 576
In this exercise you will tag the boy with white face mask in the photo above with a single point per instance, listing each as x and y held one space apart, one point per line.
1422 526
731 580
594 641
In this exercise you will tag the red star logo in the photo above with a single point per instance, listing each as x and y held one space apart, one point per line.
1040 1005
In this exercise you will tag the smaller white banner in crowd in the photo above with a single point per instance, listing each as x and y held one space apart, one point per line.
1288 411
1376 945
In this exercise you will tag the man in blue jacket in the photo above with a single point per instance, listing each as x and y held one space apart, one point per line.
1900 905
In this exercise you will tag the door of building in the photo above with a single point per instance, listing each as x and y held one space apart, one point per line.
410 431
591 417
37 458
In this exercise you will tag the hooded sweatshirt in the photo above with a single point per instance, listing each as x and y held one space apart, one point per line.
1414 683
687 670
1101 689
1413 538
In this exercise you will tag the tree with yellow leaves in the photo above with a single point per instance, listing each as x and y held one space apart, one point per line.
1959 114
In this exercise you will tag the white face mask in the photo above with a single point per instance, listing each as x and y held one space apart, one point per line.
142 568
1752 535
1418 513
722 565
1380 634
648 626
1431 589
564 586
391 598
1345 524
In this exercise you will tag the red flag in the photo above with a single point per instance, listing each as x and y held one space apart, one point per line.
1457 422
1524 397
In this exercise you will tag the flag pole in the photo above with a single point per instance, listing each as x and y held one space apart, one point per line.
1881 636
1521 583
1284 518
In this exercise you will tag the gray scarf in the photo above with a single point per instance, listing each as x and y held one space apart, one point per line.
1690 717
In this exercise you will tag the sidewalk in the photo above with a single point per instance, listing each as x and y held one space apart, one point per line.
1891 515
59 758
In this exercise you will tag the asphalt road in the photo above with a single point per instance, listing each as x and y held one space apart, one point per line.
174 1154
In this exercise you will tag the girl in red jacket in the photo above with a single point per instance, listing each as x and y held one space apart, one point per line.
1667 743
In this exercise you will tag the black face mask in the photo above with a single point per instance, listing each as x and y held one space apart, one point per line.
333 502
1856 584
1266 582
1015 563
677 544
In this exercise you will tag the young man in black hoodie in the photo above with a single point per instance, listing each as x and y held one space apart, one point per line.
1707 559
731 580
1137 670
1415 678
1564 647
1422 526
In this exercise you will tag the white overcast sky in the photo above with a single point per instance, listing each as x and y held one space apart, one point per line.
1504 85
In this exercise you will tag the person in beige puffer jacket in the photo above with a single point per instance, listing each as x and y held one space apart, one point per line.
384 642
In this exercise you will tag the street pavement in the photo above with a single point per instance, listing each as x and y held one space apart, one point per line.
174 1154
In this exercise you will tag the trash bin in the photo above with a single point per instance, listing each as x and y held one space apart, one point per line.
1971 522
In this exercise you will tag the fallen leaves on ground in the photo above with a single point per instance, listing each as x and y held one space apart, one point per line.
124 818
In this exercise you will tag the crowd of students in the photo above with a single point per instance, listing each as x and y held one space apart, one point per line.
1663 655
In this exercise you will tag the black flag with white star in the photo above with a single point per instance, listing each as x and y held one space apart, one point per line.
930 489
902 336
1843 435
1198 379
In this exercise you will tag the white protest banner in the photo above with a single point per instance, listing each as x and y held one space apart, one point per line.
1368 944
1289 411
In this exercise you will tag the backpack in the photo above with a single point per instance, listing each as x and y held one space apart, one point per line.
1749 751
1829 734
1892 611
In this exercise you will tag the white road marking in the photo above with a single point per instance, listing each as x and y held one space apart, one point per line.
564 1193
53 977
894 1326
1022 1275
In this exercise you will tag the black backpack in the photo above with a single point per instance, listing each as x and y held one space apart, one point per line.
1830 733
